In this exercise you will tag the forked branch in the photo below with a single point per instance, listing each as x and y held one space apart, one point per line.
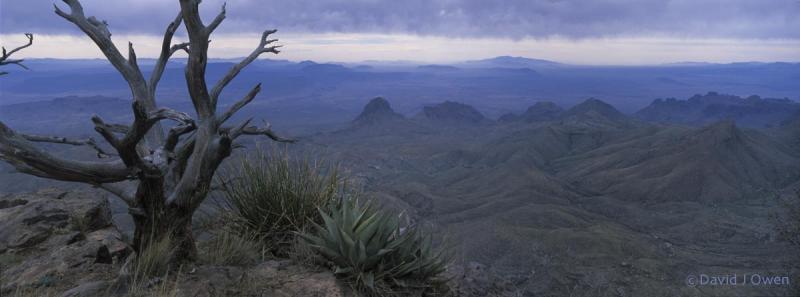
63 140
217 20
167 50
245 129
5 58
25 157
239 104
119 192
264 46
98 31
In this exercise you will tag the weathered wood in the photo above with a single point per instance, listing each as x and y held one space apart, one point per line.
101 153
27 158
6 55
173 172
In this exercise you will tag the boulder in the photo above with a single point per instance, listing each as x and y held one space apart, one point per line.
69 263
59 238
32 218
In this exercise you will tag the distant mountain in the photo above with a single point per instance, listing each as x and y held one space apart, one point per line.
539 112
712 164
451 112
589 182
752 111
377 111
309 66
582 128
438 68
510 62
595 111
64 115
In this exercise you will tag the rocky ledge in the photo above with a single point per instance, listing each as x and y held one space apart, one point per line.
63 243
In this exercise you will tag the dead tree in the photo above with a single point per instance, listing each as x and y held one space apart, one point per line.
5 59
173 169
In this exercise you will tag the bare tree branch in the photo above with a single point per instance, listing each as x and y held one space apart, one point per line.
167 49
63 140
7 54
98 31
132 58
4 59
218 20
175 133
142 123
118 128
238 130
24 156
174 172
239 104
198 57
244 129
108 130
234 71
119 192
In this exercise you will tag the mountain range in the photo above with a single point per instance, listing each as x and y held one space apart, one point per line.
586 201
752 111
509 161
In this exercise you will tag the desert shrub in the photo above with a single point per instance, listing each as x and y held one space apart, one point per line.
149 270
370 249
158 287
231 248
152 261
302 253
273 196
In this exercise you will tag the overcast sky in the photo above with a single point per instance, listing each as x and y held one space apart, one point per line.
573 31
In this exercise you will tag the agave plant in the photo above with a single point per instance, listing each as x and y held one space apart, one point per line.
368 247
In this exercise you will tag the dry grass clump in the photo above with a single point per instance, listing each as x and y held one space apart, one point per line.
271 196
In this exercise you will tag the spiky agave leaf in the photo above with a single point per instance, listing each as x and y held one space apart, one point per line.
366 245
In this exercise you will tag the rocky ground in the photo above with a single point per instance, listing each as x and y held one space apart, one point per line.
57 242
63 243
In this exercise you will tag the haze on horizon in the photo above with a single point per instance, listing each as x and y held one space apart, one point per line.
601 32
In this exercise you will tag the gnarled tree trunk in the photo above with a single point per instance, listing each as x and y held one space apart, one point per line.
174 168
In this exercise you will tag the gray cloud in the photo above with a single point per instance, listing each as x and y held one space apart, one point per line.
449 18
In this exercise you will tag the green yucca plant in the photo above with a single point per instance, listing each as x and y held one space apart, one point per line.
273 195
369 248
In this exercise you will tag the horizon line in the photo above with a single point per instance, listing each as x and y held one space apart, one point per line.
400 62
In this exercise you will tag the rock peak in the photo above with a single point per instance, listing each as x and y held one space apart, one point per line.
595 106
377 110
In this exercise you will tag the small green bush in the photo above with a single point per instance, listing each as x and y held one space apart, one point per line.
370 249
274 196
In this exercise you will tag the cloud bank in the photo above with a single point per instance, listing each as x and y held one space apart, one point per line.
511 19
